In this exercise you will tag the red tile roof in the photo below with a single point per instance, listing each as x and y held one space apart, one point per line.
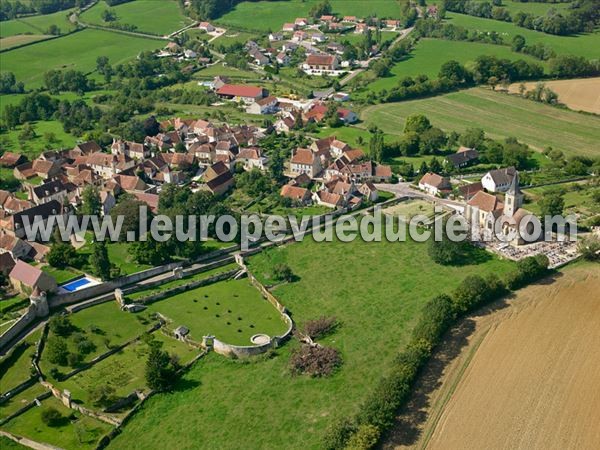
239 90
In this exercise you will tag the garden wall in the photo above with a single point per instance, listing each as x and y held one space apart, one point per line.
28 442
19 326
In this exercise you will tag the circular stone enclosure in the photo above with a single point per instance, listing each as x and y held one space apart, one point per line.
260 339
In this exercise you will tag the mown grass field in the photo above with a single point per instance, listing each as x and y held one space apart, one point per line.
20 39
587 45
76 51
231 310
429 56
16 366
376 290
500 116
160 17
272 15
37 24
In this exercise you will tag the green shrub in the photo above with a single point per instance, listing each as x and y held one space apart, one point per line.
365 438
52 417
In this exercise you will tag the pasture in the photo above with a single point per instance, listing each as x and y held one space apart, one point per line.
500 115
527 377
77 51
37 24
272 15
581 94
161 17
587 45
376 291
430 54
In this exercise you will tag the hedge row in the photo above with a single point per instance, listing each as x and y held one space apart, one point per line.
378 411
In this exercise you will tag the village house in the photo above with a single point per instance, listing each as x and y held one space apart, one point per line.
130 149
283 59
328 199
26 279
258 57
239 92
38 168
15 223
328 18
218 178
275 37
10 160
251 158
289 27
382 174
468 191
301 21
434 184
349 19
52 190
267 105
463 157
305 161
317 37
7 263
15 247
361 28
498 180
297 194
321 64
108 201
369 191
107 166
206 26
84 149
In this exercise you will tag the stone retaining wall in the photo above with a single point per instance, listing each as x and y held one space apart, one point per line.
28 442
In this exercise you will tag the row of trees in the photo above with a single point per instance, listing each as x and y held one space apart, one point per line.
583 17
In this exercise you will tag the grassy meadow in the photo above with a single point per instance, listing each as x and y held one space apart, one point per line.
376 291
500 115
76 51
160 17
587 45
272 15
430 54
37 24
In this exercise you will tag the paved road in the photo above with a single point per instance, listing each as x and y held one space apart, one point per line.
405 189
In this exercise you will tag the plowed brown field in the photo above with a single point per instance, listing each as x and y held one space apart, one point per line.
527 376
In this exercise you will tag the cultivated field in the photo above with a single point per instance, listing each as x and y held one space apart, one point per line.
376 290
500 116
270 15
76 51
528 378
429 55
577 94
150 16
20 39
587 45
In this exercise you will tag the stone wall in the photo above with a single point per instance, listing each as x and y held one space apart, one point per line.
28 442
19 326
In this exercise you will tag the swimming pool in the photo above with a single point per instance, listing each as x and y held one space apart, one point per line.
78 284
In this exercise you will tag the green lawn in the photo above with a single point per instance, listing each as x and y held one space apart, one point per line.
429 56
37 24
20 400
76 51
160 17
16 366
227 71
77 432
587 45
500 116
232 37
32 148
376 290
60 275
231 310
119 254
171 284
272 15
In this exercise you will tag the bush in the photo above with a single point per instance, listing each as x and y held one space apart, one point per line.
52 417
528 270
365 438
57 351
338 434
283 272
102 395
315 360
320 327
61 325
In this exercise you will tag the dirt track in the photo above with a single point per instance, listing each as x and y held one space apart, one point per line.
525 376
581 94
